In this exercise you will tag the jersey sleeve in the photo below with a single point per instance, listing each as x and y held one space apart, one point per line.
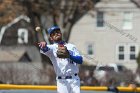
46 49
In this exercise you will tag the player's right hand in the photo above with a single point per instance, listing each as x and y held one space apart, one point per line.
42 44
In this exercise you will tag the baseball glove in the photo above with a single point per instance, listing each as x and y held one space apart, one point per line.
62 52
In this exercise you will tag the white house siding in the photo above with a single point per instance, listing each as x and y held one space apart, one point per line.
106 39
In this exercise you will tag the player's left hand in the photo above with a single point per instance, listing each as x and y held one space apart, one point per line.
62 52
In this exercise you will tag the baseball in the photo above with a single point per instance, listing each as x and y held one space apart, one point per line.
38 28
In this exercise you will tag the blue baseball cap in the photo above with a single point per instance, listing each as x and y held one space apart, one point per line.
53 28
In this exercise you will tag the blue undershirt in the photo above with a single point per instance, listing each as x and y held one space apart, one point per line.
45 49
76 59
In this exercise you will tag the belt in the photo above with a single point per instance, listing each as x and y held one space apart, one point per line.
66 77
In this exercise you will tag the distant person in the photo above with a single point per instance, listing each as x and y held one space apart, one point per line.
1 82
132 86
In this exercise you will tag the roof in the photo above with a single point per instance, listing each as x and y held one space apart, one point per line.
116 4
18 53
12 55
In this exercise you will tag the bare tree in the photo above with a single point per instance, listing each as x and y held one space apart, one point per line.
59 12
46 13
10 9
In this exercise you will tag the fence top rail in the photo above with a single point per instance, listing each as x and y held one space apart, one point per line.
52 87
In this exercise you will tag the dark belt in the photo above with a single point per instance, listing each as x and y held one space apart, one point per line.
66 77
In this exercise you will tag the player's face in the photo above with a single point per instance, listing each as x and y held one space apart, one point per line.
56 35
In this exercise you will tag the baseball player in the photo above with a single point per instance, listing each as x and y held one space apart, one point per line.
65 59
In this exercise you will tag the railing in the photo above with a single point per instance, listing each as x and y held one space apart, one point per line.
87 88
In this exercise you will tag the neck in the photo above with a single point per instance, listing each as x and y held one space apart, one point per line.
60 42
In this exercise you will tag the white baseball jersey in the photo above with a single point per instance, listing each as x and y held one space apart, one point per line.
62 66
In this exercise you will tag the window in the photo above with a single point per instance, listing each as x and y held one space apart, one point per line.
127 21
22 36
127 52
132 53
90 49
121 53
100 19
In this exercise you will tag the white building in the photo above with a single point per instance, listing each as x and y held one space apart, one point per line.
110 34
